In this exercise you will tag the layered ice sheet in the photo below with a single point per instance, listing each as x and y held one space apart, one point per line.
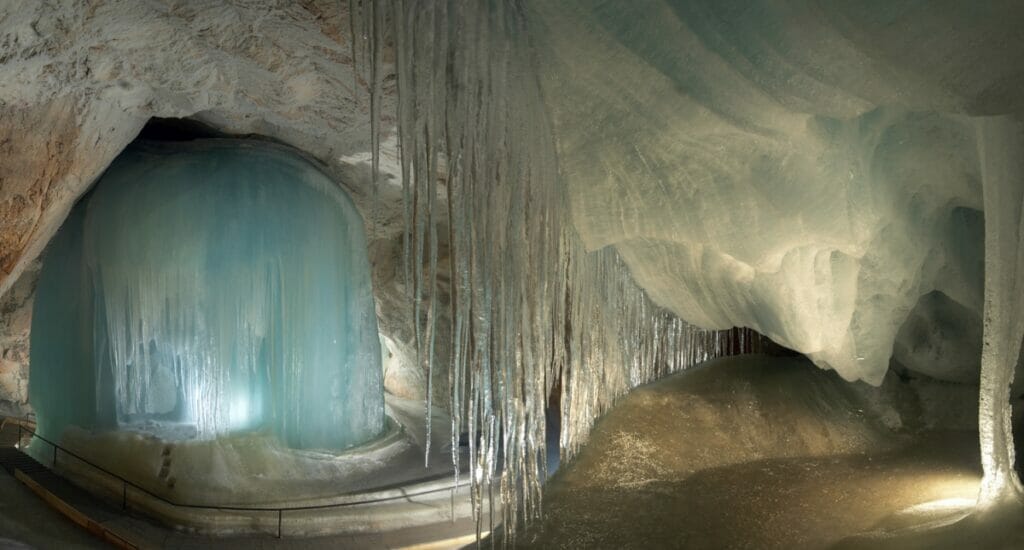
208 288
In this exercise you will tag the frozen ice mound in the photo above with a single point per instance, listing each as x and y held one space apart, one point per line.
214 287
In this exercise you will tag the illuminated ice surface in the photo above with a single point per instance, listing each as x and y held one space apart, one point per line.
210 288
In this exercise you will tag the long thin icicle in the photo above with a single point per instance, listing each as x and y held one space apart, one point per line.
529 306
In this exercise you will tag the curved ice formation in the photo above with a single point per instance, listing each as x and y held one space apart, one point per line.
206 288
808 171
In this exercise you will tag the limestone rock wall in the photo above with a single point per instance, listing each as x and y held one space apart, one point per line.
15 326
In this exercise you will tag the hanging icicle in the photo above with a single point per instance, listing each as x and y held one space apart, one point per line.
477 158
529 305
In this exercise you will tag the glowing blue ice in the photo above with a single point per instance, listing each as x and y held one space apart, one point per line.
207 288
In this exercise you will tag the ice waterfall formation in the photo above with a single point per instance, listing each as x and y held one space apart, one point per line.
206 288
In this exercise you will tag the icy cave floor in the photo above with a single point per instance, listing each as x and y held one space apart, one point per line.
253 469
392 464
759 452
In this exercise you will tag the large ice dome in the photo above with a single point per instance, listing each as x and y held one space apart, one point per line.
208 288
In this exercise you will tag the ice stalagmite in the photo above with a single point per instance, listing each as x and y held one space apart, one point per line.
1002 159
208 288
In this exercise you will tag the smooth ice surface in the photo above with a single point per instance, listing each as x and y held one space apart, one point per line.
254 469
208 288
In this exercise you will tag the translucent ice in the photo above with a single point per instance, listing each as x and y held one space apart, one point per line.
530 306
206 288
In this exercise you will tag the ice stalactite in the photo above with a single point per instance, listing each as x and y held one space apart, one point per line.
529 304
1001 142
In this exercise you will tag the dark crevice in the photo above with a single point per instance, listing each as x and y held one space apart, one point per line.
178 129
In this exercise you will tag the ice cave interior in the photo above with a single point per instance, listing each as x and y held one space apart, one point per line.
540 274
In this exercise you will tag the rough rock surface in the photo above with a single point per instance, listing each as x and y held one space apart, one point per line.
15 326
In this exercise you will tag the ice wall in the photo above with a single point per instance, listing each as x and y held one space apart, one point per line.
205 288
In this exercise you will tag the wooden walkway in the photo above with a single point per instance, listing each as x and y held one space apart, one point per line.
85 510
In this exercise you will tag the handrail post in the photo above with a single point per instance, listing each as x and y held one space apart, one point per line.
19 436
279 512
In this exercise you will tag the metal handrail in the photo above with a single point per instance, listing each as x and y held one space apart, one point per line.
279 510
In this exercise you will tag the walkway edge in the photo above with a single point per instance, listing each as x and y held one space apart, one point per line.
74 515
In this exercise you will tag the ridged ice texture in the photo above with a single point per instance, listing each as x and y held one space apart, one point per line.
530 306
207 288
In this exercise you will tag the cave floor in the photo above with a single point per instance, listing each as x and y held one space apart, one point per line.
750 452
27 522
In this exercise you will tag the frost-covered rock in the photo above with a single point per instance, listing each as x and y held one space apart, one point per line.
940 338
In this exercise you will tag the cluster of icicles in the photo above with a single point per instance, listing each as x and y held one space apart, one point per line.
530 307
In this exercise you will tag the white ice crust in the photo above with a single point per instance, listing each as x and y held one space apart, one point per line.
812 181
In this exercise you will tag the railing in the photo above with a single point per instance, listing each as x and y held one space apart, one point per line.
125 484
